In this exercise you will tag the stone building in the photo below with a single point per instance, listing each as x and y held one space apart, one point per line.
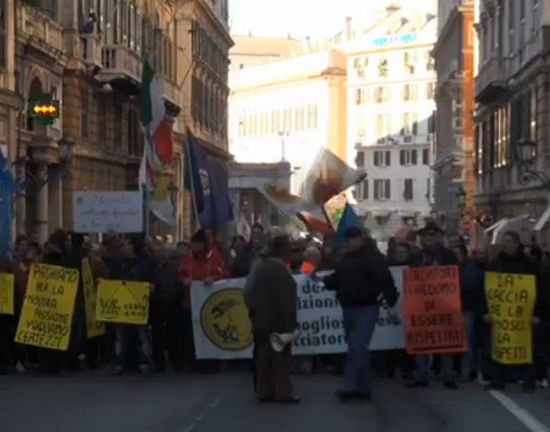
511 106
454 142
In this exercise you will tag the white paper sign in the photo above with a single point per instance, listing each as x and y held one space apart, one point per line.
222 330
100 212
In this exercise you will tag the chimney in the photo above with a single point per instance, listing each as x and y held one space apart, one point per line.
349 30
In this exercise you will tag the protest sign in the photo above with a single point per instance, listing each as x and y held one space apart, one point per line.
123 302
432 310
511 301
6 293
222 329
47 314
94 328
100 212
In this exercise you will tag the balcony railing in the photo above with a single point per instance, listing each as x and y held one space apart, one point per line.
41 30
91 49
119 61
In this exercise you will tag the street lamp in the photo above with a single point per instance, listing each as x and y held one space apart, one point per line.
66 146
526 154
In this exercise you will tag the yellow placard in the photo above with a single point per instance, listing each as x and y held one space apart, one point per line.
511 300
94 328
47 314
123 302
6 294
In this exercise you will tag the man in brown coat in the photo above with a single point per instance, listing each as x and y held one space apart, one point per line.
271 300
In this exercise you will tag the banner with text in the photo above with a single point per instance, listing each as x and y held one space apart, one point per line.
6 294
47 314
222 329
123 302
94 328
511 301
432 311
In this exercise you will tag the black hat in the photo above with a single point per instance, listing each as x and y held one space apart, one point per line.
431 228
199 237
353 232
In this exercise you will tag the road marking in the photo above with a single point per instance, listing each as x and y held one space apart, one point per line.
200 418
518 412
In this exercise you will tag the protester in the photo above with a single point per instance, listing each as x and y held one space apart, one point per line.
471 294
132 341
434 253
244 259
512 260
270 295
237 258
203 264
312 260
360 278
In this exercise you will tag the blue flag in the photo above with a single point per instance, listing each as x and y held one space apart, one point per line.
7 190
349 219
210 193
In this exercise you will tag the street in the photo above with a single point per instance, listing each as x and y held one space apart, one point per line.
184 403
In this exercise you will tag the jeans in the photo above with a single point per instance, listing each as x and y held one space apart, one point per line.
468 360
359 325
132 346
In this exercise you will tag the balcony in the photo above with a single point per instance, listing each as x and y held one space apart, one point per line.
40 30
120 63
170 92
491 80
91 50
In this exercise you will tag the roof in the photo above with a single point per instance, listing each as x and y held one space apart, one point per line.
264 46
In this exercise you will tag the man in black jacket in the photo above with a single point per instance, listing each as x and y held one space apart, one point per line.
361 277
512 260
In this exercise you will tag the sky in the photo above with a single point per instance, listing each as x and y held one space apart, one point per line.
317 19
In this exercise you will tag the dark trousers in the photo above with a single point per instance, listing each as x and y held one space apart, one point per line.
168 336
272 369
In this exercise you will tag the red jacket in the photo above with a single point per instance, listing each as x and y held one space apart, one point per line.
200 268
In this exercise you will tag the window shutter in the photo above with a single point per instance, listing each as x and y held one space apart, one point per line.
376 191
365 189
413 157
375 158
388 189
402 157
388 158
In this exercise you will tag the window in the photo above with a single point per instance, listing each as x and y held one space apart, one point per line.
382 189
430 91
84 105
299 119
535 18
383 125
409 124
361 96
408 62
430 61
382 158
381 95
408 190
409 92
275 122
425 157
407 157
383 67
511 23
287 120
360 159
263 124
363 190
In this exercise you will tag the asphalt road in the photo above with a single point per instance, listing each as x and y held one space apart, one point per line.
184 403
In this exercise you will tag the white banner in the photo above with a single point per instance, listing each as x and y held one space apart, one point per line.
222 330
100 212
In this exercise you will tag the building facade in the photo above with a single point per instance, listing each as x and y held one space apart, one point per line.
289 110
454 143
391 88
511 105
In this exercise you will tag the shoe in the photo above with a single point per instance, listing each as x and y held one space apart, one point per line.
19 368
542 384
364 397
345 396
495 386
144 369
292 400
451 385
418 384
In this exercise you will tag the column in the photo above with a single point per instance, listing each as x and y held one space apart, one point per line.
41 221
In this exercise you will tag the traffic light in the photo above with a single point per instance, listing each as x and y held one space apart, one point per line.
44 112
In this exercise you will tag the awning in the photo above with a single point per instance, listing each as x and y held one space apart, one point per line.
543 219
507 224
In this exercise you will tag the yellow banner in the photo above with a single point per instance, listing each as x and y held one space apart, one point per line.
123 302
94 328
48 308
511 300
6 294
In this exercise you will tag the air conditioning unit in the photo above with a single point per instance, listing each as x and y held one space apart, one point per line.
407 139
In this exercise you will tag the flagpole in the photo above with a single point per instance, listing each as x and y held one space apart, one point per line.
192 181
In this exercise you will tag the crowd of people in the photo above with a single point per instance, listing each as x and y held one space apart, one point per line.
361 279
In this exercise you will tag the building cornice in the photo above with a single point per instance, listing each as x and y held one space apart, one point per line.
222 30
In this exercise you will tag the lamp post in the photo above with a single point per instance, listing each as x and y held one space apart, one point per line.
526 152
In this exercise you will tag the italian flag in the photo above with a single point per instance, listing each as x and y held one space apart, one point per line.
157 128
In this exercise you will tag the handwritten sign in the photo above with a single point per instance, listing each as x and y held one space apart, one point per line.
123 302
94 328
48 308
100 212
432 309
6 294
511 300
